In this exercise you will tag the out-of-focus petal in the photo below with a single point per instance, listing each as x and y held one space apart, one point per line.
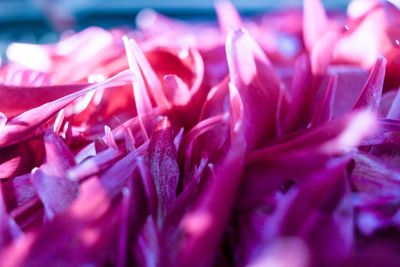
9 230
56 193
24 125
228 17
203 226
315 22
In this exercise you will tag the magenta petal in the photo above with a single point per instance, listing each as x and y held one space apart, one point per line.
162 159
94 165
58 156
337 136
320 212
217 101
324 108
203 226
302 96
210 144
274 170
9 231
372 92
311 198
315 22
228 17
123 169
394 111
140 93
194 139
147 249
374 175
371 23
257 84
153 82
17 99
17 159
176 90
123 237
23 126
350 82
149 188
56 193
84 234
322 52
109 138
18 191
183 202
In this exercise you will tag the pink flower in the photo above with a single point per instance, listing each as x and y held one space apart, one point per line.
261 142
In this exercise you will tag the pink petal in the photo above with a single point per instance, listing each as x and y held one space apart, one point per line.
162 160
23 126
56 193
372 92
324 108
315 22
257 84
228 17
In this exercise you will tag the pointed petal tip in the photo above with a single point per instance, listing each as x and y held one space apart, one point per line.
315 22
371 94
240 57
228 16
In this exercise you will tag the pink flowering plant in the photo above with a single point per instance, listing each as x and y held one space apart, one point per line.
272 141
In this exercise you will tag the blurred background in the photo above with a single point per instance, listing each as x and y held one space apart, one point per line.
41 21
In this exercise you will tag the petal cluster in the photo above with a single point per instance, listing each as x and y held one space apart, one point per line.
269 141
